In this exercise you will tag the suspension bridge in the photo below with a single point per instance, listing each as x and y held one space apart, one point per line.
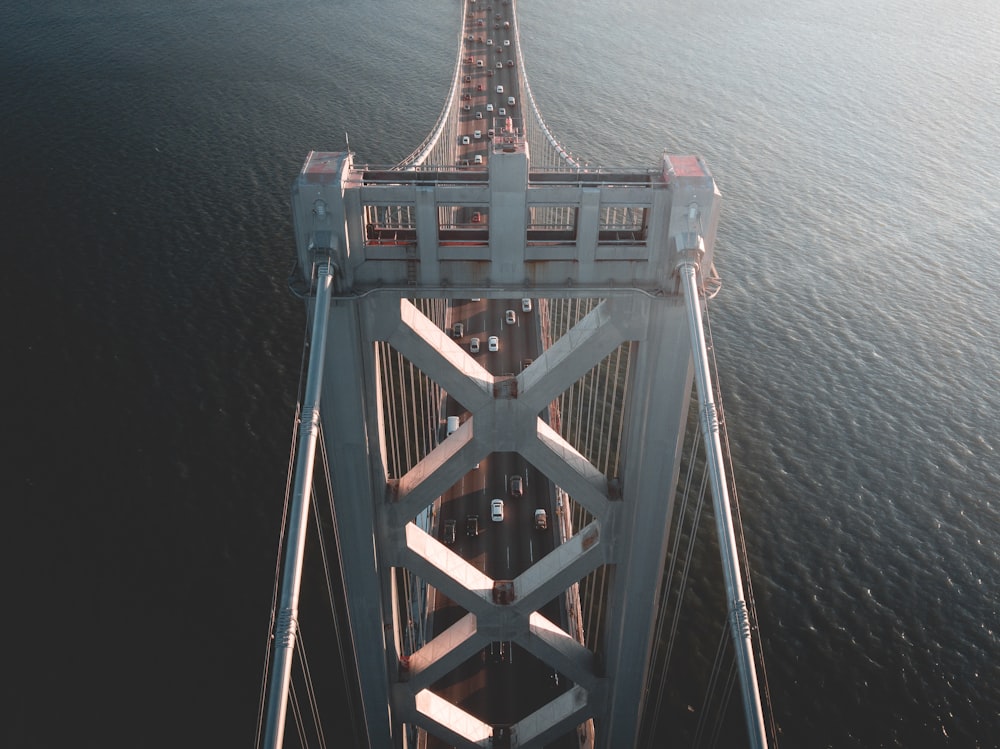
509 428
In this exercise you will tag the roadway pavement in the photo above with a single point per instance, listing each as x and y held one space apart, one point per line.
503 683
488 61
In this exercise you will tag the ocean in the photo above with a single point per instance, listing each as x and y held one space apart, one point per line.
153 350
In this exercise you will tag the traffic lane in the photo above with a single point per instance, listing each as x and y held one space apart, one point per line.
535 543
503 541
513 337
461 501
476 320
518 684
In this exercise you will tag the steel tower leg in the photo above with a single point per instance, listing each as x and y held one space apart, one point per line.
651 447
355 447
287 624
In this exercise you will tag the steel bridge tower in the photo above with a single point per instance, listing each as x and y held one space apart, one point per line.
370 241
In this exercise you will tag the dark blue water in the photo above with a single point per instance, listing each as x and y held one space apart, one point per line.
153 352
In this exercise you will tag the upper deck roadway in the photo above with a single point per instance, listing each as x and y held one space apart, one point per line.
490 86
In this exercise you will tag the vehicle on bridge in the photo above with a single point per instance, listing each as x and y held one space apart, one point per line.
449 532
516 485
496 510
493 343
541 520
472 525
509 317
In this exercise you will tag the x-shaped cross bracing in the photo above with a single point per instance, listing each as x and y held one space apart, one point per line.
503 424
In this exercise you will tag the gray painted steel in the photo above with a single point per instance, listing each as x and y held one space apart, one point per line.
512 228
333 202
287 623
738 621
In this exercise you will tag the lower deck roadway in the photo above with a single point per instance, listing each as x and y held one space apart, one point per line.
503 683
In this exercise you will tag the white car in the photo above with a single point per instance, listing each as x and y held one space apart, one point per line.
502 112
489 107
509 317
493 343
496 510
477 134
525 305
474 346
500 89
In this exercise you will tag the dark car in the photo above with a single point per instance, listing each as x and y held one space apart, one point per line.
472 525
516 486
449 532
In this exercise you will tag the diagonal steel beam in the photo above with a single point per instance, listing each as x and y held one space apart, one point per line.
436 354
436 473
574 354
445 570
444 653
556 571
564 465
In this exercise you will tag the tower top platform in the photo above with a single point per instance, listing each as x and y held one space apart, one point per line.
503 229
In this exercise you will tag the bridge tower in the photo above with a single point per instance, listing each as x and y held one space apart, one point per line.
373 267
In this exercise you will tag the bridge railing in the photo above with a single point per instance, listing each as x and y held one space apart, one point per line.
446 119
552 153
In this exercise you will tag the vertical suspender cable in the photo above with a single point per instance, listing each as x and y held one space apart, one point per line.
691 247
299 521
